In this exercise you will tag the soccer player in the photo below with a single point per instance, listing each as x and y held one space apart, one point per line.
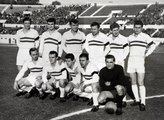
74 76
54 76
73 40
90 78
34 79
111 83
26 39
50 40
141 45
97 45
119 47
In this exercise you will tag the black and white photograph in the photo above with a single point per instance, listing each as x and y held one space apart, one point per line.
81 59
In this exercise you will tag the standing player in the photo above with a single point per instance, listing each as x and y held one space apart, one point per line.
112 83
34 79
73 39
141 45
54 76
90 79
119 47
74 76
97 45
26 39
50 41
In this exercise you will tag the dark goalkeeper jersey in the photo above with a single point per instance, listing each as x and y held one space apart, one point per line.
115 76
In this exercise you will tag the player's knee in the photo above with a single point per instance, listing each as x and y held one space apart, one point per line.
95 87
140 83
101 98
44 87
121 91
62 83
38 84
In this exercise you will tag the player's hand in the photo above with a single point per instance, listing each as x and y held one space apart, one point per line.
83 86
107 83
16 85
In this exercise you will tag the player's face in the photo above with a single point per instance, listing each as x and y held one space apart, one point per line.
138 29
50 25
94 30
115 32
83 62
27 24
74 27
109 63
52 58
34 55
69 62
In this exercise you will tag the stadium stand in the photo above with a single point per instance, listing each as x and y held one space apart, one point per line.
1 8
91 10
126 9
89 20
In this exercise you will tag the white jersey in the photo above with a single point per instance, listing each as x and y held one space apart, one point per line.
27 40
119 48
35 68
138 44
58 72
74 73
73 43
97 47
90 74
50 42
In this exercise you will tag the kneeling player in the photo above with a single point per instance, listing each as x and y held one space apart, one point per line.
73 75
34 78
111 83
90 78
54 76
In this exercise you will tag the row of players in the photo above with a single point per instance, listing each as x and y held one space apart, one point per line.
96 44
82 81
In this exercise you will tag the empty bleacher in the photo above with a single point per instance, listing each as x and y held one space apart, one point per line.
91 10
126 9
1 8
89 20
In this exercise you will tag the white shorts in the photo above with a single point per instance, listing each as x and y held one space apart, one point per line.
22 56
32 80
136 64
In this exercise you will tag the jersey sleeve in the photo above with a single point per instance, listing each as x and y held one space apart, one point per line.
41 47
63 43
59 45
106 45
22 72
36 39
125 48
63 73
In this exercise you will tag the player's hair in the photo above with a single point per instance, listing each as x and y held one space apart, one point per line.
70 56
26 19
32 49
75 21
51 20
86 55
114 25
95 24
138 22
53 52
110 57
